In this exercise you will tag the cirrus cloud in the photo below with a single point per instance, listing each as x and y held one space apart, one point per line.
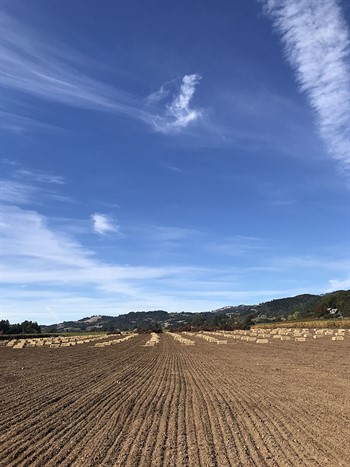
316 43
35 66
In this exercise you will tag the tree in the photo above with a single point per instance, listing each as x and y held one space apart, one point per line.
4 326
247 321
30 327
197 321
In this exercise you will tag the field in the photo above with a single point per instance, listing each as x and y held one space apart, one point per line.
149 402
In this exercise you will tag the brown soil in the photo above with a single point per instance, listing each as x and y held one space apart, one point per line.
241 404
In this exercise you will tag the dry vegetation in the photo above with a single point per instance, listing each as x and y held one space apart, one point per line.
316 323
130 403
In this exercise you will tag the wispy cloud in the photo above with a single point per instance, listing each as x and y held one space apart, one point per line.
316 263
9 162
173 168
34 254
339 284
23 186
21 124
238 245
36 67
316 40
39 176
103 224
178 113
15 192
157 96
160 235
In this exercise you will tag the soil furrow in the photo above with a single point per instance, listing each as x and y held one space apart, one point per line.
239 433
108 451
48 422
130 454
284 404
91 411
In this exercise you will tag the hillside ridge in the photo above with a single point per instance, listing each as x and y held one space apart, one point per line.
304 306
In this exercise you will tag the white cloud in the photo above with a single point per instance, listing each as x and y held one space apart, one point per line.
179 108
103 224
316 41
178 113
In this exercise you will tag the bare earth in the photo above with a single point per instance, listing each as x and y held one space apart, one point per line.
285 403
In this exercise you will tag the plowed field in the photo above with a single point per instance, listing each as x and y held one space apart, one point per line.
240 404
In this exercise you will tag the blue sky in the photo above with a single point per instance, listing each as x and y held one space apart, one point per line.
172 155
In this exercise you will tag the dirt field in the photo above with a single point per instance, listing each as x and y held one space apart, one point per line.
285 403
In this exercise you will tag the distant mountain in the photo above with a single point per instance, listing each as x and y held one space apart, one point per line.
332 305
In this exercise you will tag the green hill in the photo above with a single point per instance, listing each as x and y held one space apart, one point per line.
328 306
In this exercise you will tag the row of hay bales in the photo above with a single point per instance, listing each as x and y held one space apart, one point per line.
181 339
115 341
262 336
208 337
153 340
52 342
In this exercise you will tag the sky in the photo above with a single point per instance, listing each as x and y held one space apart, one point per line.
166 154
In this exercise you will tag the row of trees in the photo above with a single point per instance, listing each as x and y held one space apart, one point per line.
26 327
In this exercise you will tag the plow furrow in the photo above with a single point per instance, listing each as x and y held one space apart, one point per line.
171 404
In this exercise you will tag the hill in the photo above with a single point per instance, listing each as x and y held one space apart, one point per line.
306 306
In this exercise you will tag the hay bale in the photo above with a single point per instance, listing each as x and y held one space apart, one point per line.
11 343
19 345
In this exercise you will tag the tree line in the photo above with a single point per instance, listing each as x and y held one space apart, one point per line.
26 327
